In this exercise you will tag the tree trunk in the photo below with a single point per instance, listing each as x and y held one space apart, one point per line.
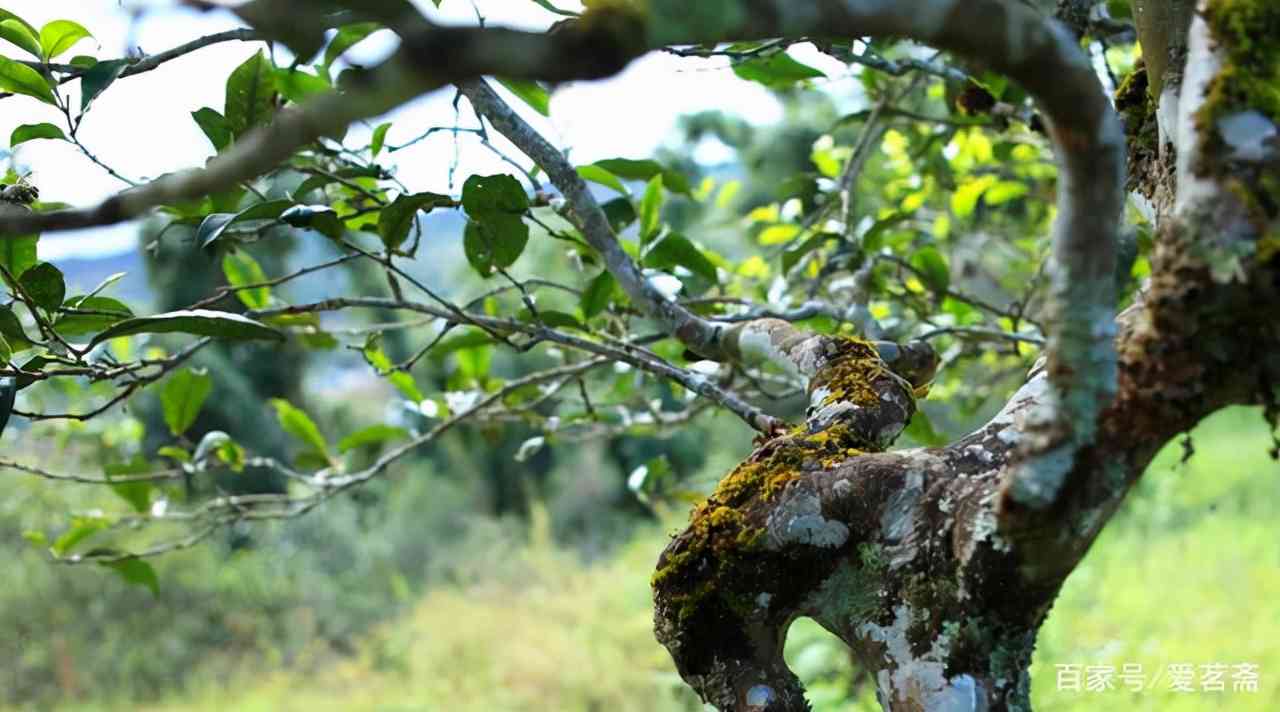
938 566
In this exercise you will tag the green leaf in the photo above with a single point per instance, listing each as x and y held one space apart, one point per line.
106 311
777 71
81 529
496 243
30 132
174 453
58 36
213 226
11 329
201 322
933 268
250 95
397 219
96 80
483 196
373 435
18 254
530 93
137 572
778 234
182 397
965 200
45 285
792 255
346 38
1004 191
379 139
218 444
19 34
21 79
214 126
381 363
496 235
137 494
620 212
921 430
596 174
297 85
6 15
321 218
298 424
629 169
675 250
551 318
240 269
598 294
651 210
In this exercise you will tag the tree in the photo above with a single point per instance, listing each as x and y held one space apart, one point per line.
935 565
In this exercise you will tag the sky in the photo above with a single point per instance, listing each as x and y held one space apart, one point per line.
141 126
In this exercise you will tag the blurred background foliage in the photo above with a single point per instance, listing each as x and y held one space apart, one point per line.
491 572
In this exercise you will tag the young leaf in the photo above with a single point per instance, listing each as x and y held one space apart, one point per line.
630 169
598 294
296 85
529 92
240 269
214 126
137 572
675 250
300 425
777 71
379 139
137 494
596 174
82 527
201 322
372 435
651 210
31 132
45 285
58 36
346 38
933 268
250 95
182 397
21 79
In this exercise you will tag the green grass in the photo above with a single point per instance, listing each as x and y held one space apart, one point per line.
1189 571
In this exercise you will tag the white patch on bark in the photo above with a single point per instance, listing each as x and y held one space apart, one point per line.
898 521
798 520
1203 64
919 680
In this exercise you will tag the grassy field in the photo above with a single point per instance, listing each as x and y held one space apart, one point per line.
1189 572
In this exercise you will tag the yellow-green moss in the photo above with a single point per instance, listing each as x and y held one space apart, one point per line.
1137 108
1248 34
719 535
